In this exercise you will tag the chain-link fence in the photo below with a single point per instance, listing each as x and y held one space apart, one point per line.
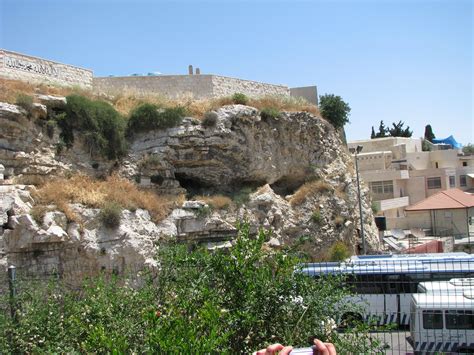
412 304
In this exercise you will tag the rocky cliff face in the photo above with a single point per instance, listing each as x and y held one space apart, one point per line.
293 173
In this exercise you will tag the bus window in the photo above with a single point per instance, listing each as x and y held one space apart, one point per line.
432 319
369 284
459 320
393 284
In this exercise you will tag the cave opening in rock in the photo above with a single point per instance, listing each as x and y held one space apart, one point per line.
193 185
288 185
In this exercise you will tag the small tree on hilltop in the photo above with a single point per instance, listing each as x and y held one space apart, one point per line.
372 135
468 148
382 131
399 131
429 135
334 109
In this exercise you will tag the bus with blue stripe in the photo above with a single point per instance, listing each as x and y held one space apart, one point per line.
384 284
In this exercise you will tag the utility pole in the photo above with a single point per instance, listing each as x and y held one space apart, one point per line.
356 151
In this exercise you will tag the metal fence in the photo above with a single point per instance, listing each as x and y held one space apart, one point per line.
418 305
413 304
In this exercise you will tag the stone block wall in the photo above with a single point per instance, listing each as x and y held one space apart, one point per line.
37 70
173 86
196 86
310 93
225 86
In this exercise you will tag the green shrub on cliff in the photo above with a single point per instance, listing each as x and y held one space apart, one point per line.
25 101
102 127
147 117
240 99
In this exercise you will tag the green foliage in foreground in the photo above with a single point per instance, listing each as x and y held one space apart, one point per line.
147 117
102 127
234 301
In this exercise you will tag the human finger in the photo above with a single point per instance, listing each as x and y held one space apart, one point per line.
286 350
331 348
270 350
321 348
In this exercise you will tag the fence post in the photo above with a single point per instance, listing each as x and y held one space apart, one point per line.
12 287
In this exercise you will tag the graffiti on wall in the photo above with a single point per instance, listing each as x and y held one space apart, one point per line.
32 67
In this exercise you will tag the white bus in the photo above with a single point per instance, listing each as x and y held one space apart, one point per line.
453 286
442 323
383 284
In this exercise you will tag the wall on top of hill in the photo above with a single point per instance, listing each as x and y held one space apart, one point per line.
196 86
23 67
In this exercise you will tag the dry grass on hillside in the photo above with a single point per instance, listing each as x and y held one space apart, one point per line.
96 193
309 189
216 201
10 89
127 100
283 103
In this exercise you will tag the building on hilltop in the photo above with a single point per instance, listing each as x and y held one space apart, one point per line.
399 174
199 86
17 66
36 70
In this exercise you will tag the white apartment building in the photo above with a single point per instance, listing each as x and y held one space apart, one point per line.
400 174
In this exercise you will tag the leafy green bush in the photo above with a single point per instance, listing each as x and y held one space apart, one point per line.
334 109
240 99
375 207
242 196
25 101
147 117
316 217
269 113
103 128
339 252
110 215
227 301
468 149
210 119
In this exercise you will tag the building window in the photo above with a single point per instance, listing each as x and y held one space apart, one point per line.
382 187
464 163
463 180
434 183
452 181
436 164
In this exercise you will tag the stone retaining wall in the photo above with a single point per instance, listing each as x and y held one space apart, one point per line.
33 69
196 86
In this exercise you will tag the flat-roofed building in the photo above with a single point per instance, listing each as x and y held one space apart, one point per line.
399 173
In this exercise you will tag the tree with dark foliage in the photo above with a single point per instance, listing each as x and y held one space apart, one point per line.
429 135
334 109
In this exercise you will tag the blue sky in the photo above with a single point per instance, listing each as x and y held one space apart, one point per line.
390 60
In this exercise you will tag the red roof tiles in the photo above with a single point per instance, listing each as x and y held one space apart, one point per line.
444 200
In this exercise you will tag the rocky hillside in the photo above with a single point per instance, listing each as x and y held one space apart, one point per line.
288 172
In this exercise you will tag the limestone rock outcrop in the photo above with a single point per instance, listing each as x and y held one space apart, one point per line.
261 161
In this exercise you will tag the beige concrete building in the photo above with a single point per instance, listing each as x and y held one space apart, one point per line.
399 174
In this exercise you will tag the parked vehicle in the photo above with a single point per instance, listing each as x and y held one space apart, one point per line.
384 284
452 286
442 322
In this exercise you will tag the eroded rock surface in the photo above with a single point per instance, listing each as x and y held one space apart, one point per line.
269 158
